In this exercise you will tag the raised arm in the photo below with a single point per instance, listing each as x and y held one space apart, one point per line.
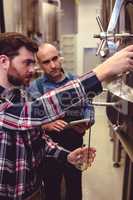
49 107
52 105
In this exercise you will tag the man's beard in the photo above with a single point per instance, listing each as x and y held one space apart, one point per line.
13 76
14 80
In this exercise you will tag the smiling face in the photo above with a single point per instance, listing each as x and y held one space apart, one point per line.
50 62
21 68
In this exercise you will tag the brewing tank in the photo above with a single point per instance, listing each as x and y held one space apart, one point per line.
35 18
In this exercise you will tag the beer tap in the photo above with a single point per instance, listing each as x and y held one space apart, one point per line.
109 38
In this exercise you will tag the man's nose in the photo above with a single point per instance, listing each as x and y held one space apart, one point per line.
32 68
52 63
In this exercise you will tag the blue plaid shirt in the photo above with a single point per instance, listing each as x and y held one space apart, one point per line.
43 85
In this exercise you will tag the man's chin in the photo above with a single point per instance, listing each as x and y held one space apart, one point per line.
27 81
18 82
15 82
26 84
55 75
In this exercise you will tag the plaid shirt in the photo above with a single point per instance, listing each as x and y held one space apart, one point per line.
22 148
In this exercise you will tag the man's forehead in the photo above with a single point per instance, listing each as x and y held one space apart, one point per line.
24 50
46 50
25 53
43 58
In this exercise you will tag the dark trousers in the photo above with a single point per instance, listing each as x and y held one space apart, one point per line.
53 173
37 195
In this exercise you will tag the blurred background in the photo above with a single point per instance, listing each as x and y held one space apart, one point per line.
72 25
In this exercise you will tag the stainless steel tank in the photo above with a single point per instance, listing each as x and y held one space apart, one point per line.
36 18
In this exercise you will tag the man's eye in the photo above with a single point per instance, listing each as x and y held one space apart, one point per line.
54 58
46 62
29 62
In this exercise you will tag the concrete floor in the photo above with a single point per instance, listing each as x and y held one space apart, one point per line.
102 181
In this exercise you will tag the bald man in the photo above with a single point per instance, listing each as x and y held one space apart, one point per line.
70 137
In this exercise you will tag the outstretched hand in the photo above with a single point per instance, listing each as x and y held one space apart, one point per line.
82 158
120 62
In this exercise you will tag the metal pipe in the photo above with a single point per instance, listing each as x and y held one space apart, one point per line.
105 90
100 23
59 13
59 3
105 103
105 35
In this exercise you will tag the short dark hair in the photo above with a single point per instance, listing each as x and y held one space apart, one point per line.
11 42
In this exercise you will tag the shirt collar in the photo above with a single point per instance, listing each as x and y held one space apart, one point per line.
2 89
46 79
8 92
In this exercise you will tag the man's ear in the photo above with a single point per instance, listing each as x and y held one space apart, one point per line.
61 59
4 61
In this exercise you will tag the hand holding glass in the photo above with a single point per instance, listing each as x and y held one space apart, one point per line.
82 158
